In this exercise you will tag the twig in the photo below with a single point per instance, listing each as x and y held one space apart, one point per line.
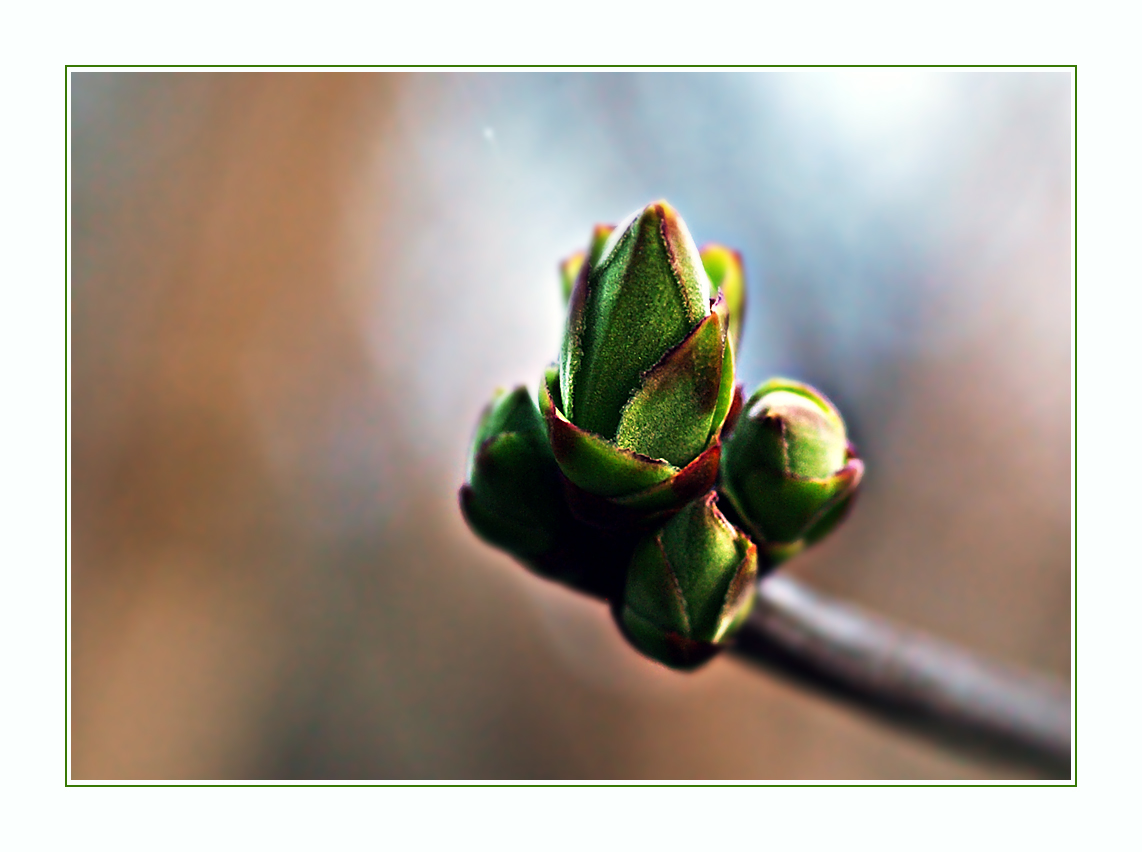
908 678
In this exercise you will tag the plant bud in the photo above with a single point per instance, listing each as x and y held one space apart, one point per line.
512 495
570 268
513 498
569 271
727 276
689 586
645 379
788 469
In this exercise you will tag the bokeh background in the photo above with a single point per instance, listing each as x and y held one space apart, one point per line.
292 293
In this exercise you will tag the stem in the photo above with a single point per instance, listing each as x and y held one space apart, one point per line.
907 678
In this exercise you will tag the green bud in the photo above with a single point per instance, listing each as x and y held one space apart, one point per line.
727 276
689 587
569 271
788 469
599 238
570 268
645 378
513 498
512 495
646 292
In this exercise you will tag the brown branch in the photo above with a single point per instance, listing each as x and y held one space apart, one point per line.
907 678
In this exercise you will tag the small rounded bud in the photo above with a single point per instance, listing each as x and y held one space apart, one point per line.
512 496
788 469
689 586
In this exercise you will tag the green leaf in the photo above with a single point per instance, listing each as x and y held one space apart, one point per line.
593 463
667 647
653 590
691 482
833 512
727 275
575 294
671 415
726 389
739 596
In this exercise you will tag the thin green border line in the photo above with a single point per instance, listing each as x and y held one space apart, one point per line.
70 782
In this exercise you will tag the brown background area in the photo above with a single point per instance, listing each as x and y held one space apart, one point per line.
291 295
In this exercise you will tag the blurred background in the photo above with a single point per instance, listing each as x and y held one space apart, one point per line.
292 293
